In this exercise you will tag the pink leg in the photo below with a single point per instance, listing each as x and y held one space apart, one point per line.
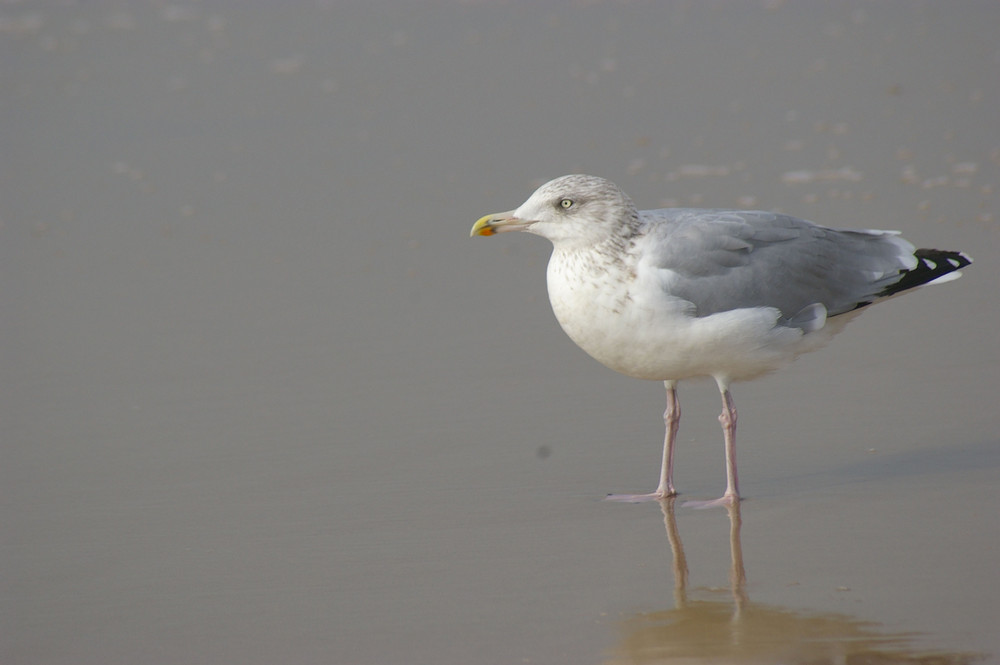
671 419
728 420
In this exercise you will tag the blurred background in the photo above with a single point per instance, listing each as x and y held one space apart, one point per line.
263 400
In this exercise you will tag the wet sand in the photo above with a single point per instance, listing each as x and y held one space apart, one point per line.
264 401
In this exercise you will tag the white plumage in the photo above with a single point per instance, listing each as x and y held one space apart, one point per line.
678 293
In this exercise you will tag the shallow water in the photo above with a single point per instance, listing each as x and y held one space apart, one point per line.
264 401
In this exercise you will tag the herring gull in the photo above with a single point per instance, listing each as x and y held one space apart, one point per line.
678 293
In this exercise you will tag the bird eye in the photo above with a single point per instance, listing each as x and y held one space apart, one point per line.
566 204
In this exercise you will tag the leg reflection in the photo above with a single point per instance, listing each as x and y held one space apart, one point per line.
737 573
737 632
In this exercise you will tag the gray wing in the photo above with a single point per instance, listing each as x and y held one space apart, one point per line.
722 260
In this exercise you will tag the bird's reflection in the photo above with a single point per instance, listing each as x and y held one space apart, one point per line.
737 631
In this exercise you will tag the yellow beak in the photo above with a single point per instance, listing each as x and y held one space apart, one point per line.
499 223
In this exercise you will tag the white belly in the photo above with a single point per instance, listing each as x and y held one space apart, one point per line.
637 329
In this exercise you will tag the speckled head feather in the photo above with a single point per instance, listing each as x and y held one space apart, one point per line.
581 209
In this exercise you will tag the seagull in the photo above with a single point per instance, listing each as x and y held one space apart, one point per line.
677 293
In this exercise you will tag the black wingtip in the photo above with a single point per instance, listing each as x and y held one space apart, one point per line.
932 264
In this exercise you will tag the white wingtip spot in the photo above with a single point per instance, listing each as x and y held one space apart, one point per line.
954 263
930 264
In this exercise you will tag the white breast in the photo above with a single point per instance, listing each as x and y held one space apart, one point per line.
621 315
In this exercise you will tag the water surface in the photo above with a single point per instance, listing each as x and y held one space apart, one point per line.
264 401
